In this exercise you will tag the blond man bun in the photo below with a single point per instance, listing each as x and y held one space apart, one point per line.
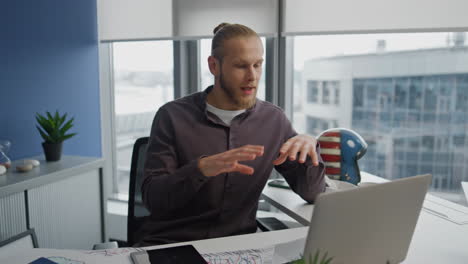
226 31
219 27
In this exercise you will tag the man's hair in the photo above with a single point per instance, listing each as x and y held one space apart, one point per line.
226 31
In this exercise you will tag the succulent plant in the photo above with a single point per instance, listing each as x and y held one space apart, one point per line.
54 128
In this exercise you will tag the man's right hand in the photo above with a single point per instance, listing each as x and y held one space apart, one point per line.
229 161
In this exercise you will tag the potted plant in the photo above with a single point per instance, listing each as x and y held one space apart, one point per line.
316 259
53 129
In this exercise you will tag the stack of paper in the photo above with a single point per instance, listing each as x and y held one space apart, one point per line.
251 256
289 251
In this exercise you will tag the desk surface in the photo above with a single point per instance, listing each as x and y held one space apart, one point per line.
121 255
436 240
47 172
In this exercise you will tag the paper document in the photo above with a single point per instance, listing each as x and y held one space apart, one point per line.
251 256
465 189
63 256
450 211
289 251
336 185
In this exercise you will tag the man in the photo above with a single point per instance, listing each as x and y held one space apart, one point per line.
210 154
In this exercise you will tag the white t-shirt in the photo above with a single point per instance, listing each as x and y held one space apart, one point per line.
224 115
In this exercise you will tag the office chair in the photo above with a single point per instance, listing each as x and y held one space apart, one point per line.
18 243
137 213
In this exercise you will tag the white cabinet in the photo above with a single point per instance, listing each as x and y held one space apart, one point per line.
12 215
67 214
62 201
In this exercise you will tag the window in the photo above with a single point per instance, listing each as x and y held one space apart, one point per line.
415 92
337 93
312 92
371 92
143 81
430 94
327 88
312 124
462 94
401 93
325 93
206 77
394 98
358 93
316 125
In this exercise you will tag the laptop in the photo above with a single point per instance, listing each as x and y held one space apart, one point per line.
370 224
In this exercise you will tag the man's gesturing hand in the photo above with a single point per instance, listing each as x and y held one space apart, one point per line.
229 161
300 144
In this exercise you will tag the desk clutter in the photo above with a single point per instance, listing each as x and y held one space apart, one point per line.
21 166
122 256
5 162
26 165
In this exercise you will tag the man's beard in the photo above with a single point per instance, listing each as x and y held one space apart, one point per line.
242 104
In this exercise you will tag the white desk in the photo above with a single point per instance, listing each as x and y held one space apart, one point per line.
121 255
435 240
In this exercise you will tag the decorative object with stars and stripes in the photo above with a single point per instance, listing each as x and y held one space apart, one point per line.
340 148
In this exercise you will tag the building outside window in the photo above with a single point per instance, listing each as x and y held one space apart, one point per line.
408 99
143 81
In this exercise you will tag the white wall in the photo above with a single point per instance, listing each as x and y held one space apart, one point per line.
159 19
306 16
155 19
134 19
200 17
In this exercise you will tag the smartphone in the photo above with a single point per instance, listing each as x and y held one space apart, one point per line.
173 255
279 183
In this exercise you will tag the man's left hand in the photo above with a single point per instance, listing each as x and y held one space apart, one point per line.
301 144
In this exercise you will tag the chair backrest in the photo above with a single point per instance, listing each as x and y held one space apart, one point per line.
136 209
18 243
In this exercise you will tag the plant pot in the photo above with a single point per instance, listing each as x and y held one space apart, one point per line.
52 151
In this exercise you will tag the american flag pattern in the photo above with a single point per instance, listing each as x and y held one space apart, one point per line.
340 149
330 150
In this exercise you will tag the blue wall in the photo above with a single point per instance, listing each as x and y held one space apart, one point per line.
48 62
